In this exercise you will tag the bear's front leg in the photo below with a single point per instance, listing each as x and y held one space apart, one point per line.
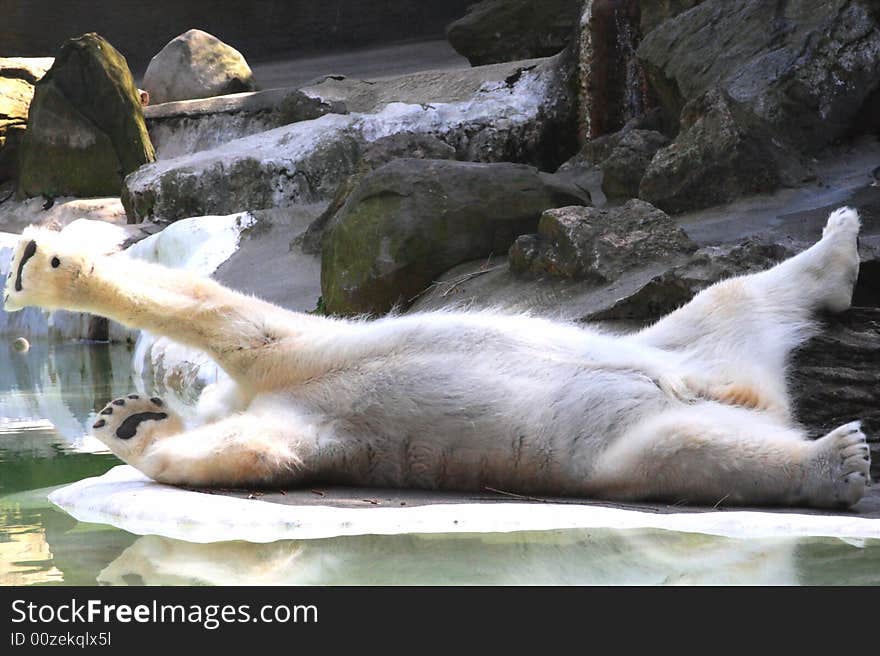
195 311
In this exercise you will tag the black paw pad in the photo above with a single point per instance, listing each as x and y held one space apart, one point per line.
128 428
107 411
119 402
157 401
99 423
134 397
29 251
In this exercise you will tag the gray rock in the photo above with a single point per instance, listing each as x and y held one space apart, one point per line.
17 78
621 158
834 377
654 12
643 289
376 154
506 112
196 65
264 171
722 152
508 30
411 220
678 284
188 126
595 244
802 68
770 77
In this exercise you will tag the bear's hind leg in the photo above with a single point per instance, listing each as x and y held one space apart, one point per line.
738 334
711 454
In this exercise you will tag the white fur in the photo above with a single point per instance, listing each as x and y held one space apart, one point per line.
694 407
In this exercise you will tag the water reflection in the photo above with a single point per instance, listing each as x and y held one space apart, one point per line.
48 396
584 557
42 545
57 390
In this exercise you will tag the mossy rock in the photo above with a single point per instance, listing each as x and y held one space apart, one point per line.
86 128
410 220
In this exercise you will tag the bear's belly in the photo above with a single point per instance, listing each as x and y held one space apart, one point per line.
470 422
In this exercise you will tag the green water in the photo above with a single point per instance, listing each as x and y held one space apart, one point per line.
48 397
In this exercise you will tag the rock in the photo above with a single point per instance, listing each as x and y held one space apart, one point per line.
834 376
16 215
507 30
188 126
381 151
85 127
17 78
268 266
520 112
779 81
599 244
722 152
679 283
29 69
410 220
622 159
15 98
654 12
196 65
301 163
803 70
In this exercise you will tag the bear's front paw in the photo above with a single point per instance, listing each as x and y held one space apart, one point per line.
129 424
43 272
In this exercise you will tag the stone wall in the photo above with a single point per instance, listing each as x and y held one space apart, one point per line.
261 29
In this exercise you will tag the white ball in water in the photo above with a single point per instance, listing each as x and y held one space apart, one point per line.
21 345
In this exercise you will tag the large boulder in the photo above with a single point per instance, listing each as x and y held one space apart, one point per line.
376 154
507 30
86 129
721 152
760 83
17 78
188 126
196 65
804 68
505 112
599 244
411 220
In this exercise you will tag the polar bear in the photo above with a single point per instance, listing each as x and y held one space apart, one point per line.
693 407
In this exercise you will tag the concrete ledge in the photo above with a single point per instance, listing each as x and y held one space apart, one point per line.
126 499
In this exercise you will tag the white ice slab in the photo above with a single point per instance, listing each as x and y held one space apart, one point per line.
124 498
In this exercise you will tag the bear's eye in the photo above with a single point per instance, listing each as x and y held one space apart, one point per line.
56 263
